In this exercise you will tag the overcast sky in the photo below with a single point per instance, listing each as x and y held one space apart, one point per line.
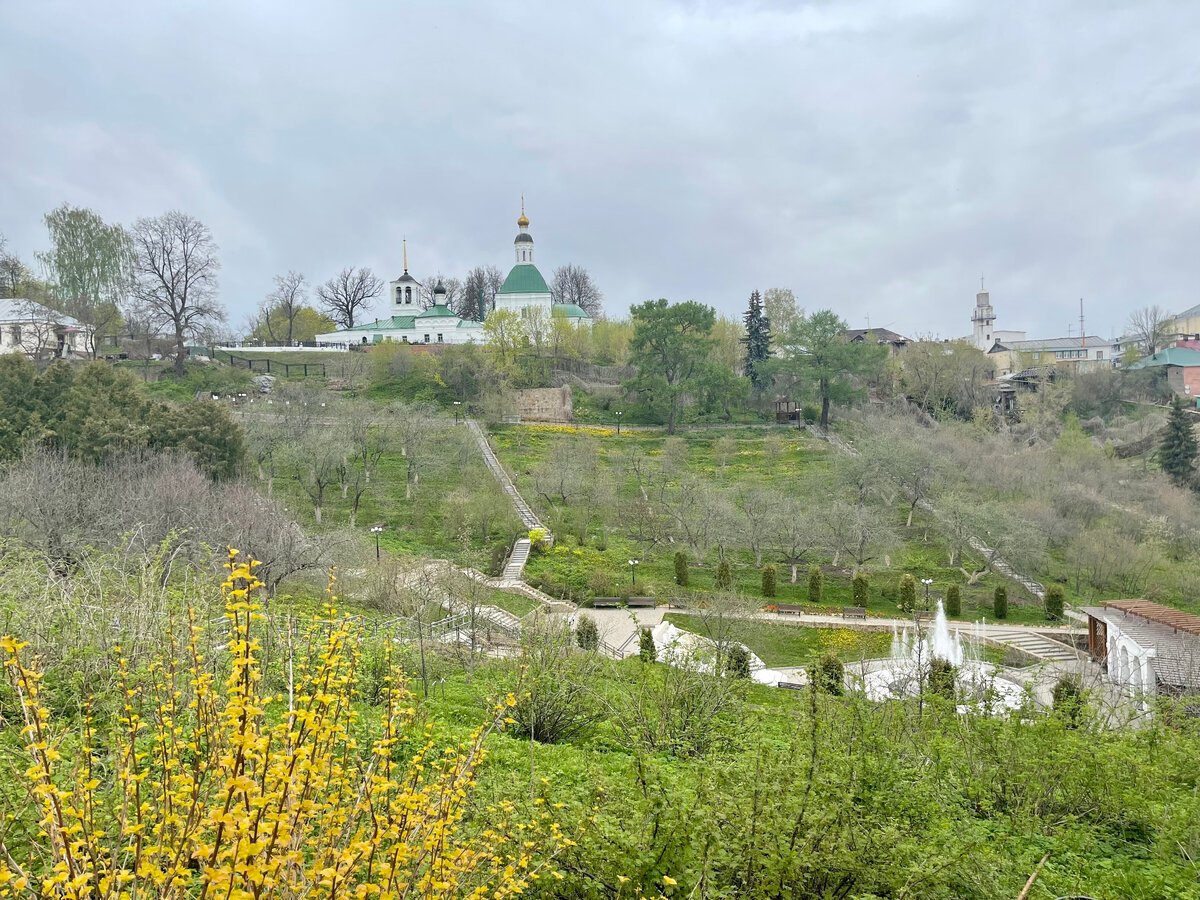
875 157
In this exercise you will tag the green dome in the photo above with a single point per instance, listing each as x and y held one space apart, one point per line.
524 279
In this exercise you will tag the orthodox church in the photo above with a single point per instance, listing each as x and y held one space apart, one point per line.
524 292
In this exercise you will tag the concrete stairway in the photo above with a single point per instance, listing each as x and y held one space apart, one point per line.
489 457
516 563
1033 643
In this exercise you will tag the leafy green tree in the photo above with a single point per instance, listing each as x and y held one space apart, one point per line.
646 649
954 601
1054 602
681 568
942 675
815 353
724 576
91 266
1000 602
670 347
768 581
757 341
1069 700
305 322
1177 454
816 585
908 592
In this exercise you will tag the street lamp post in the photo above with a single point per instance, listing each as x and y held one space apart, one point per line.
927 582
377 530
457 404
633 570
618 415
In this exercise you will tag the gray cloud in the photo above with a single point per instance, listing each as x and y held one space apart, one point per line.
874 156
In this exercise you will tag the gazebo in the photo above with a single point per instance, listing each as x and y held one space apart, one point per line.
1147 647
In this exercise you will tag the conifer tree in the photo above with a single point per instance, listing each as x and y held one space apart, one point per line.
1178 452
757 341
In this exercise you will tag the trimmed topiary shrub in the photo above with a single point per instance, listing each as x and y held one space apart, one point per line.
941 677
737 662
828 674
816 585
768 581
647 652
908 593
954 601
1054 602
861 587
1000 602
681 568
724 576
587 635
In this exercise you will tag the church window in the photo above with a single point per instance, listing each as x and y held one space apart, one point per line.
427 339
408 295
439 338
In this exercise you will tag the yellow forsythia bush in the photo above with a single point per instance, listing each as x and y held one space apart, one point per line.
211 790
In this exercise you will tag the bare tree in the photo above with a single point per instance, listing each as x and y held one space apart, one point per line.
479 292
282 305
176 275
759 507
574 284
348 292
1150 326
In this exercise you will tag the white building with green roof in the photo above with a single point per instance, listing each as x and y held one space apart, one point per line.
524 292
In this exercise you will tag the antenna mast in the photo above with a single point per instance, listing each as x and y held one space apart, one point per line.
1082 333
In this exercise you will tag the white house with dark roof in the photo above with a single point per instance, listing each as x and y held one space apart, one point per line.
524 292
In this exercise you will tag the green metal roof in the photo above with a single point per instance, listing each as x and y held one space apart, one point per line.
1173 356
381 324
524 279
469 323
439 311
570 310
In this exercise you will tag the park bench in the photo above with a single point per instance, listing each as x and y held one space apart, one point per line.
790 685
790 608
641 602
605 602
853 612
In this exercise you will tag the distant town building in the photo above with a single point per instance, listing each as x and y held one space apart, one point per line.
524 292
983 321
881 336
1073 354
40 332
1183 369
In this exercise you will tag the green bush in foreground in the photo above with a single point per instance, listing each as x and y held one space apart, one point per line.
828 674
587 635
737 662
1000 602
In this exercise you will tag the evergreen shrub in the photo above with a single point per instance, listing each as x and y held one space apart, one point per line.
768 581
646 649
681 568
816 584
954 601
860 586
908 593
724 576
587 635
737 662
1000 602
1054 602
828 674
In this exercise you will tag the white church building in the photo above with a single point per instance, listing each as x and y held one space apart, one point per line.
524 292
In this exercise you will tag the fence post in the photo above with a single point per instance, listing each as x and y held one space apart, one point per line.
305 370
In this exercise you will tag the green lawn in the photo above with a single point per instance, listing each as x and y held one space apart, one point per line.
781 644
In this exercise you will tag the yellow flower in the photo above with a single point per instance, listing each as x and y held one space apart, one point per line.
667 879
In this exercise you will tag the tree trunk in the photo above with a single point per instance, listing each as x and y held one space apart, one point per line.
824 409
180 352
317 512
911 510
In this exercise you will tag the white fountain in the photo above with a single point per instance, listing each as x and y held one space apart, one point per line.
977 683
